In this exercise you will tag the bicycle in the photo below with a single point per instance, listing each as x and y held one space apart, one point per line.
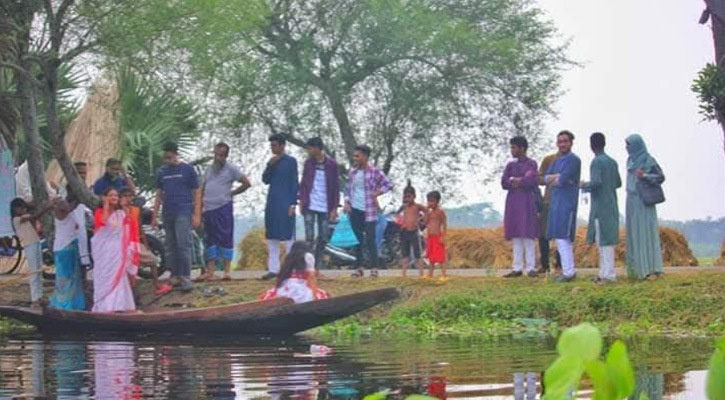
11 254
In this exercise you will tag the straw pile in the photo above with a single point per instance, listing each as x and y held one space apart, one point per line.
92 136
253 250
476 248
721 261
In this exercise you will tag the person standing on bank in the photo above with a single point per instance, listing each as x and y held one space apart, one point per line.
644 251
604 213
365 184
218 216
319 196
177 188
564 175
279 214
115 177
520 179
544 242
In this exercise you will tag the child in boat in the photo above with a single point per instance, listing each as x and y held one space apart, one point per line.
409 237
113 257
70 232
296 279
436 224
24 226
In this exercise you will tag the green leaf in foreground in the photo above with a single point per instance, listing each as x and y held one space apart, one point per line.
716 374
377 396
562 376
601 378
583 341
620 370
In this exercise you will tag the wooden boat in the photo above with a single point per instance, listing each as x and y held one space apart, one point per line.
272 317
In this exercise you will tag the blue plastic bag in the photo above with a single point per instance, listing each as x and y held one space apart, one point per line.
343 236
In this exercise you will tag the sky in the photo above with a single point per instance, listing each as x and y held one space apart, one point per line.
638 60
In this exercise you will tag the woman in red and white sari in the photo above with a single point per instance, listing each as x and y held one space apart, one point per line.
113 257
296 279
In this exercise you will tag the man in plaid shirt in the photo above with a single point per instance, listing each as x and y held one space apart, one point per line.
365 184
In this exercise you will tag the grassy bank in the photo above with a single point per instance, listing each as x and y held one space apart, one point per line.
678 304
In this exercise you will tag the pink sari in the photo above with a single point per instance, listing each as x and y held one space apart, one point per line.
113 256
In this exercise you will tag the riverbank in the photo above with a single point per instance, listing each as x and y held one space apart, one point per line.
679 304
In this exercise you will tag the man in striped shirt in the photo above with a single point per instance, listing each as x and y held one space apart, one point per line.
365 184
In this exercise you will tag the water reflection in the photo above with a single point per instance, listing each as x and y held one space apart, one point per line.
224 368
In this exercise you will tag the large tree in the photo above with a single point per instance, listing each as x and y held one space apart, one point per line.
432 85
710 83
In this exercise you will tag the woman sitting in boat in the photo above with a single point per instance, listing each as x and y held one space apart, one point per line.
113 256
296 279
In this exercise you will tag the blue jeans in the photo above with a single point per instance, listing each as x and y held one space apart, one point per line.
322 221
178 245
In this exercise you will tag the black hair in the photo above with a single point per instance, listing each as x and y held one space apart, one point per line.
597 141
409 189
315 142
71 198
106 192
566 133
81 164
293 261
365 149
224 146
171 147
112 161
125 191
279 138
434 195
519 141
17 202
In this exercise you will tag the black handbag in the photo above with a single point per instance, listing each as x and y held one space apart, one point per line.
650 192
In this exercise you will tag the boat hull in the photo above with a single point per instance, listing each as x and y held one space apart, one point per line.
273 317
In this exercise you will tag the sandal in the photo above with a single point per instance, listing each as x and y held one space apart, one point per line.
374 273
227 278
358 274
163 289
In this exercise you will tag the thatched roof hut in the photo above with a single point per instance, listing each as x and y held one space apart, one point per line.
93 136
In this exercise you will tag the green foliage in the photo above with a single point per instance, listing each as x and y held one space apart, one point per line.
579 350
716 373
149 117
710 89
424 82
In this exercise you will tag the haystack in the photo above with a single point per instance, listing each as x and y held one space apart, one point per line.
93 136
720 262
253 250
476 248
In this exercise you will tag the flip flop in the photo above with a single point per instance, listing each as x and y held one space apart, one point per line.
163 289
227 278
358 274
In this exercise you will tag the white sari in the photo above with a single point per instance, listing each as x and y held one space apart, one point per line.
113 262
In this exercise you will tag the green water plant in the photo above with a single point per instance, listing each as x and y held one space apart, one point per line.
716 373
580 351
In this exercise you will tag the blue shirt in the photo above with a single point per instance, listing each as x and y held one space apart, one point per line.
106 182
177 184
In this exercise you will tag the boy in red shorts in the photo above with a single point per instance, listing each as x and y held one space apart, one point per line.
436 224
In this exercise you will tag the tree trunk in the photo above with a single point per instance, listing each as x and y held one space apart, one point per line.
716 9
50 100
343 122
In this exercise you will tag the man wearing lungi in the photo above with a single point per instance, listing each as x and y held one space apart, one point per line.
218 217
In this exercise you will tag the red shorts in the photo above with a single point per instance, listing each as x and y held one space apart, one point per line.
436 250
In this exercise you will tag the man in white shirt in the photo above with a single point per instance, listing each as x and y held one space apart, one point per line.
319 195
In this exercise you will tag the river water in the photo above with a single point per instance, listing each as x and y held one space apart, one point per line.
193 367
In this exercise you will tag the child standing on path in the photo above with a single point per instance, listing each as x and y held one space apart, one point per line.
436 224
409 237
23 223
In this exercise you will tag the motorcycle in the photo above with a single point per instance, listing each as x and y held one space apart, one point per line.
388 245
